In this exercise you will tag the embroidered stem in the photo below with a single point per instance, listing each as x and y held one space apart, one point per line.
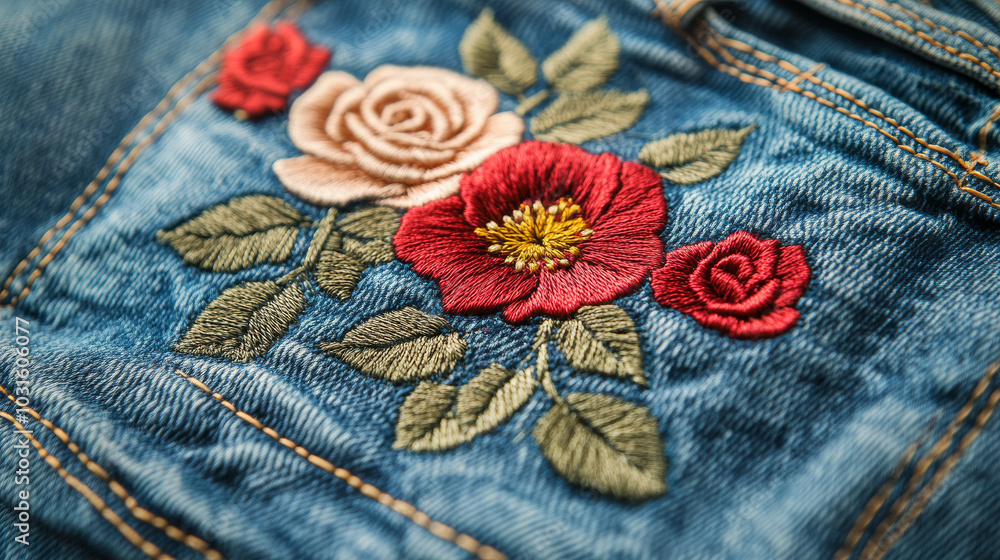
323 232
541 347
294 274
526 104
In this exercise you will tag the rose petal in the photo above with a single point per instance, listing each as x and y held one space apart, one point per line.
418 195
763 253
793 270
324 183
439 244
370 147
501 130
754 305
772 324
562 292
670 282
527 170
436 98
309 113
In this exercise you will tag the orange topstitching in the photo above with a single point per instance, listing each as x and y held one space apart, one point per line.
118 490
436 528
936 452
902 25
791 86
160 111
130 534
932 25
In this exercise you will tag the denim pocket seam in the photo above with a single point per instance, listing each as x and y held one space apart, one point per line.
921 35
978 43
768 79
884 536
130 503
203 77
126 530
440 530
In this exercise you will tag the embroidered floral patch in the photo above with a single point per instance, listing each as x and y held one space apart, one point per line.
576 72
400 138
544 232
540 228
743 286
258 76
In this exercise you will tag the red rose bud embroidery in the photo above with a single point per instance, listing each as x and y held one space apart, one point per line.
258 75
539 229
743 286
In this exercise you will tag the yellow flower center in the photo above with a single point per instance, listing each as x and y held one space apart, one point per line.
534 236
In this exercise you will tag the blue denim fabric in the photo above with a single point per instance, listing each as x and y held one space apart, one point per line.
775 446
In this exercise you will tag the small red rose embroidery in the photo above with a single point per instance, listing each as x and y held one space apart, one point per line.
258 75
743 286
539 229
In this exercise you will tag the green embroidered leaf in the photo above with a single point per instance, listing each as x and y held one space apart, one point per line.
370 223
236 235
493 396
578 117
605 444
490 51
425 420
370 253
403 345
690 158
586 61
244 322
603 340
337 274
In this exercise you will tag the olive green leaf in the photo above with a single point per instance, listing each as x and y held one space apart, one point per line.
586 61
690 158
605 444
370 253
244 322
426 422
337 274
370 223
402 345
493 396
236 235
602 339
490 51
578 117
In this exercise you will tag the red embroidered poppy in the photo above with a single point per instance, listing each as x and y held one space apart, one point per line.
539 228
258 75
745 287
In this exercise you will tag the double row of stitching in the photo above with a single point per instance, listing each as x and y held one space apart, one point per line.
856 101
960 34
911 503
141 137
126 530
137 511
924 36
436 528
752 74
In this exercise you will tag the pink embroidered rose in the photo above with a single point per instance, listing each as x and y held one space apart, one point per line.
402 137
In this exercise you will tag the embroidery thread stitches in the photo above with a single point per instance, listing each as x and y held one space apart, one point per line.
401 138
744 286
258 75
575 72
246 320
552 255
690 158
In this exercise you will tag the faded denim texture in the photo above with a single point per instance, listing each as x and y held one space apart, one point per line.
775 446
